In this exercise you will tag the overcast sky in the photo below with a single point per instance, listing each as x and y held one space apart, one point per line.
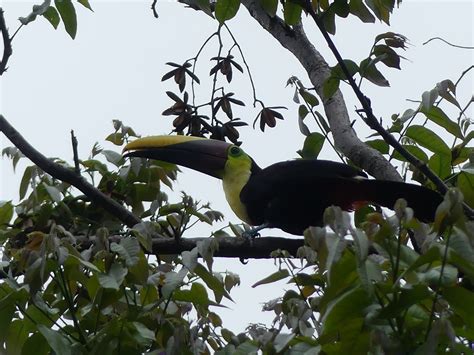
113 70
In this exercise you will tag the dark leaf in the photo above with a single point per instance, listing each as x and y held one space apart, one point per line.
68 15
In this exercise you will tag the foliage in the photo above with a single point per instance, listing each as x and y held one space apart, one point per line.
76 280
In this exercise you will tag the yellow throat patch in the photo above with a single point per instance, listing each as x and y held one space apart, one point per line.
237 173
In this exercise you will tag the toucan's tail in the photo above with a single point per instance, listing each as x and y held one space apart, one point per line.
422 200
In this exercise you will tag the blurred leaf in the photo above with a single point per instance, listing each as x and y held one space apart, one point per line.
270 6
226 9
113 157
116 138
85 3
6 212
358 9
414 150
465 183
36 344
460 300
114 278
350 305
17 335
330 86
428 98
276 276
379 144
292 13
428 139
351 67
212 282
438 116
197 295
53 192
68 15
441 165
56 340
128 249
312 146
25 181
311 99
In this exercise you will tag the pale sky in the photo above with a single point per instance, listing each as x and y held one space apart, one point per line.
113 70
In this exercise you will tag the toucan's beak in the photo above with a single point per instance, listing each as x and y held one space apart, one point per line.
205 155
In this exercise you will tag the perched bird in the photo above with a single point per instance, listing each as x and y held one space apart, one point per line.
290 195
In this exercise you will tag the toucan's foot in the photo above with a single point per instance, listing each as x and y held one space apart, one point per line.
254 232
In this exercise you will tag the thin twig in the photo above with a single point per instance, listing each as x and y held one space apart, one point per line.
153 8
448 43
59 172
77 168
7 43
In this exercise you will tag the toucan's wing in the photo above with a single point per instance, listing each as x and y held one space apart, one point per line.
293 195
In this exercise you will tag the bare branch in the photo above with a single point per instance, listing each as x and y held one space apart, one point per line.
7 43
345 139
59 172
77 168
231 247
153 8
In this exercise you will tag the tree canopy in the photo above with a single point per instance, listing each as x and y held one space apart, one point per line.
97 258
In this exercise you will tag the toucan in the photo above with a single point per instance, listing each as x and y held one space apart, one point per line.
290 195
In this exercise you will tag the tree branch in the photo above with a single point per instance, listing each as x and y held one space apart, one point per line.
373 122
318 70
59 172
7 43
231 247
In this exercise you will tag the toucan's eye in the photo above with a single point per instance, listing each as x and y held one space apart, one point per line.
235 151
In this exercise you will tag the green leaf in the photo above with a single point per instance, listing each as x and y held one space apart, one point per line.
438 116
350 305
226 9
197 295
351 66
114 278
428 98
6 212
53 192
68 15
212 282
461 299
52 16
113 157
330 86
16 337
441 165
292 13
358 9
428 139
56 340
465 183
116 138
312 146
270 6
381 9
311 99
85 3
276 276
387 56
369 71
36 344
128 249
25 181
379 144
414 150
